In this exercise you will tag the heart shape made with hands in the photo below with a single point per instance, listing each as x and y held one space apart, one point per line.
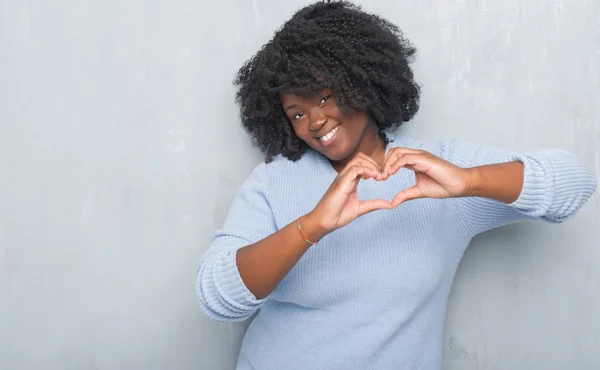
434 176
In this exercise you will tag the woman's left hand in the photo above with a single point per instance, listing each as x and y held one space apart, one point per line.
435 177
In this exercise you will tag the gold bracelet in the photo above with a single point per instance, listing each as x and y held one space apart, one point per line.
302 234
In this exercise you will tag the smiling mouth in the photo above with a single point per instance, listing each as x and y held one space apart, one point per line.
328 136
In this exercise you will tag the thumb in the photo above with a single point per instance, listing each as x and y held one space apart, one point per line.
408 194
373 205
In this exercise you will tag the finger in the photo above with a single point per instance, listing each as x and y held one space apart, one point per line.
408 194
390 157
373 205
368 159
393 156
415 162
362 171
389 166
364 162
348 180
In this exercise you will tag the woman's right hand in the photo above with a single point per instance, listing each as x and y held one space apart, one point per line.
340 204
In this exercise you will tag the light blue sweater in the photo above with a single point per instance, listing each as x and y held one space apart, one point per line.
371 295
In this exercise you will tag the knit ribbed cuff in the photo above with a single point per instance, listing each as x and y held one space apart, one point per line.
231 287
537 193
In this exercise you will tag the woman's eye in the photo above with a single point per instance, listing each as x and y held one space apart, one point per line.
324 100
298 116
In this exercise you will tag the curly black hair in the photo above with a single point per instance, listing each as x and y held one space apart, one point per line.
362 57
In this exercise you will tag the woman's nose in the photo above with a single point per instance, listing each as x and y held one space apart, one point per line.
317 119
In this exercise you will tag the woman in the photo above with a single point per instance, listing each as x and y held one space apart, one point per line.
348 238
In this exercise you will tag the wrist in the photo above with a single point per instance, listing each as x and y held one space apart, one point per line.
312 228
473 182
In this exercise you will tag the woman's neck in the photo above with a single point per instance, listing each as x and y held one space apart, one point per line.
371 144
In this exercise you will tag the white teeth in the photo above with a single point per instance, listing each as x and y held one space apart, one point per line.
329 135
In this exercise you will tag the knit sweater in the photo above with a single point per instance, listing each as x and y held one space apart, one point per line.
373 294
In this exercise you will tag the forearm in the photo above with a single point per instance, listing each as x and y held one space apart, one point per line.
502 182
264 264
504 187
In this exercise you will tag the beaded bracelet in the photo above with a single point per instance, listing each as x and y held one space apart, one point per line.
302 234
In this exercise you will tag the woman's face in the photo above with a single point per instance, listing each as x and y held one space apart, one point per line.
323 126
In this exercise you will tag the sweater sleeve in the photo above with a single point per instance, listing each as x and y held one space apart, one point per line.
556 185
221 292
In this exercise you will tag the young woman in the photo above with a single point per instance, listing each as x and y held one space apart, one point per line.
348 238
